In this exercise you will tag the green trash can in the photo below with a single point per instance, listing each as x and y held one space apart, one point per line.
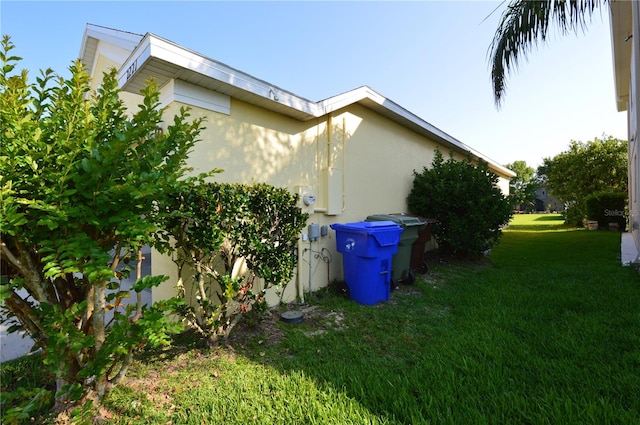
401 261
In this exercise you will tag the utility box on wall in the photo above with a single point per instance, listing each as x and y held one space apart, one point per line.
306 198
333 185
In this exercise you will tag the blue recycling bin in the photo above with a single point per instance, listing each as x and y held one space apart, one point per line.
367 250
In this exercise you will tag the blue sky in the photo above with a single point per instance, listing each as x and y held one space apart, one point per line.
430 57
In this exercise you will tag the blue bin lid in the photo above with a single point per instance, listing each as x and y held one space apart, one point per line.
386 233
368 226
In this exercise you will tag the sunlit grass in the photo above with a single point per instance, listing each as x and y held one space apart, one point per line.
546 331
538 223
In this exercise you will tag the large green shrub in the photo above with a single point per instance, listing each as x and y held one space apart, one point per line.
466 201
80 182
218 228
607 207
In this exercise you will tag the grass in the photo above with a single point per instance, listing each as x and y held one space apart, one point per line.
547 331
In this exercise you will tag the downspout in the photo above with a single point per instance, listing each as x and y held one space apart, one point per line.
344 162
301 248
343 154
299 283
329 150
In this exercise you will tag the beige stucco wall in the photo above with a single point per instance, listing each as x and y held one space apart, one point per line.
106 59
355 161
372 159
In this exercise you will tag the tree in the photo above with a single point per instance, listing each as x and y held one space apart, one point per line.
221 227
524 24
586 168
522 187
81 185
467 202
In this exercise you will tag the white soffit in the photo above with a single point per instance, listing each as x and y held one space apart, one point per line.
183 92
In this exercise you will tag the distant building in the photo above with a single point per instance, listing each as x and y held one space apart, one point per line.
546 202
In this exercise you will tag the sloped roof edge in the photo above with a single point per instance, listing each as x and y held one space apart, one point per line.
94 33
374 100
156 57
621 42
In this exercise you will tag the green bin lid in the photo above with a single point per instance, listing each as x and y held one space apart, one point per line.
399 219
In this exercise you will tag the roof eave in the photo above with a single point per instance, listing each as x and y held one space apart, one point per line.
621 34
163 60
155 57
384 106
93 34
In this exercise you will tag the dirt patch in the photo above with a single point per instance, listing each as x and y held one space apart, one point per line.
321 321
268 331
265 330
151 387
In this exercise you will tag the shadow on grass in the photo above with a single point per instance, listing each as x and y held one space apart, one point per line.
466 342
381 356
553 218
403 360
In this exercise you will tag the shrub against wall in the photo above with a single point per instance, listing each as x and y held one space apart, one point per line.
79 183
466 201
607 207
218 228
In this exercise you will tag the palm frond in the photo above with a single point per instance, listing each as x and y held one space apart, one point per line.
524 24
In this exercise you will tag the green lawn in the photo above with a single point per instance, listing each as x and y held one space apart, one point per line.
546 331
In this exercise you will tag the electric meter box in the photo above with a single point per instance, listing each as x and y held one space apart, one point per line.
306 198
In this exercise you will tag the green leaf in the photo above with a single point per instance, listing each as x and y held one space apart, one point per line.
86 165
48 222
5 291
148 282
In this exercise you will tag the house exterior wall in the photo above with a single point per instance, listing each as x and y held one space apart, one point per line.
633 112
109 56
355 161
625 37
547 202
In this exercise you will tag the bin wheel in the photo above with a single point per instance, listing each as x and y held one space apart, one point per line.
423 269
411 277
393 284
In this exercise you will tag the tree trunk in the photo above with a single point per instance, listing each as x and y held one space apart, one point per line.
98 322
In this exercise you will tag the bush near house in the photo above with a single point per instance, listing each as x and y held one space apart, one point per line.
466 201
80 181
219 228
606 208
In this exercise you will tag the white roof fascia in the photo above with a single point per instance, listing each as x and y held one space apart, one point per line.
135 61
366 93
154 47
96 33
124 39
159 48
